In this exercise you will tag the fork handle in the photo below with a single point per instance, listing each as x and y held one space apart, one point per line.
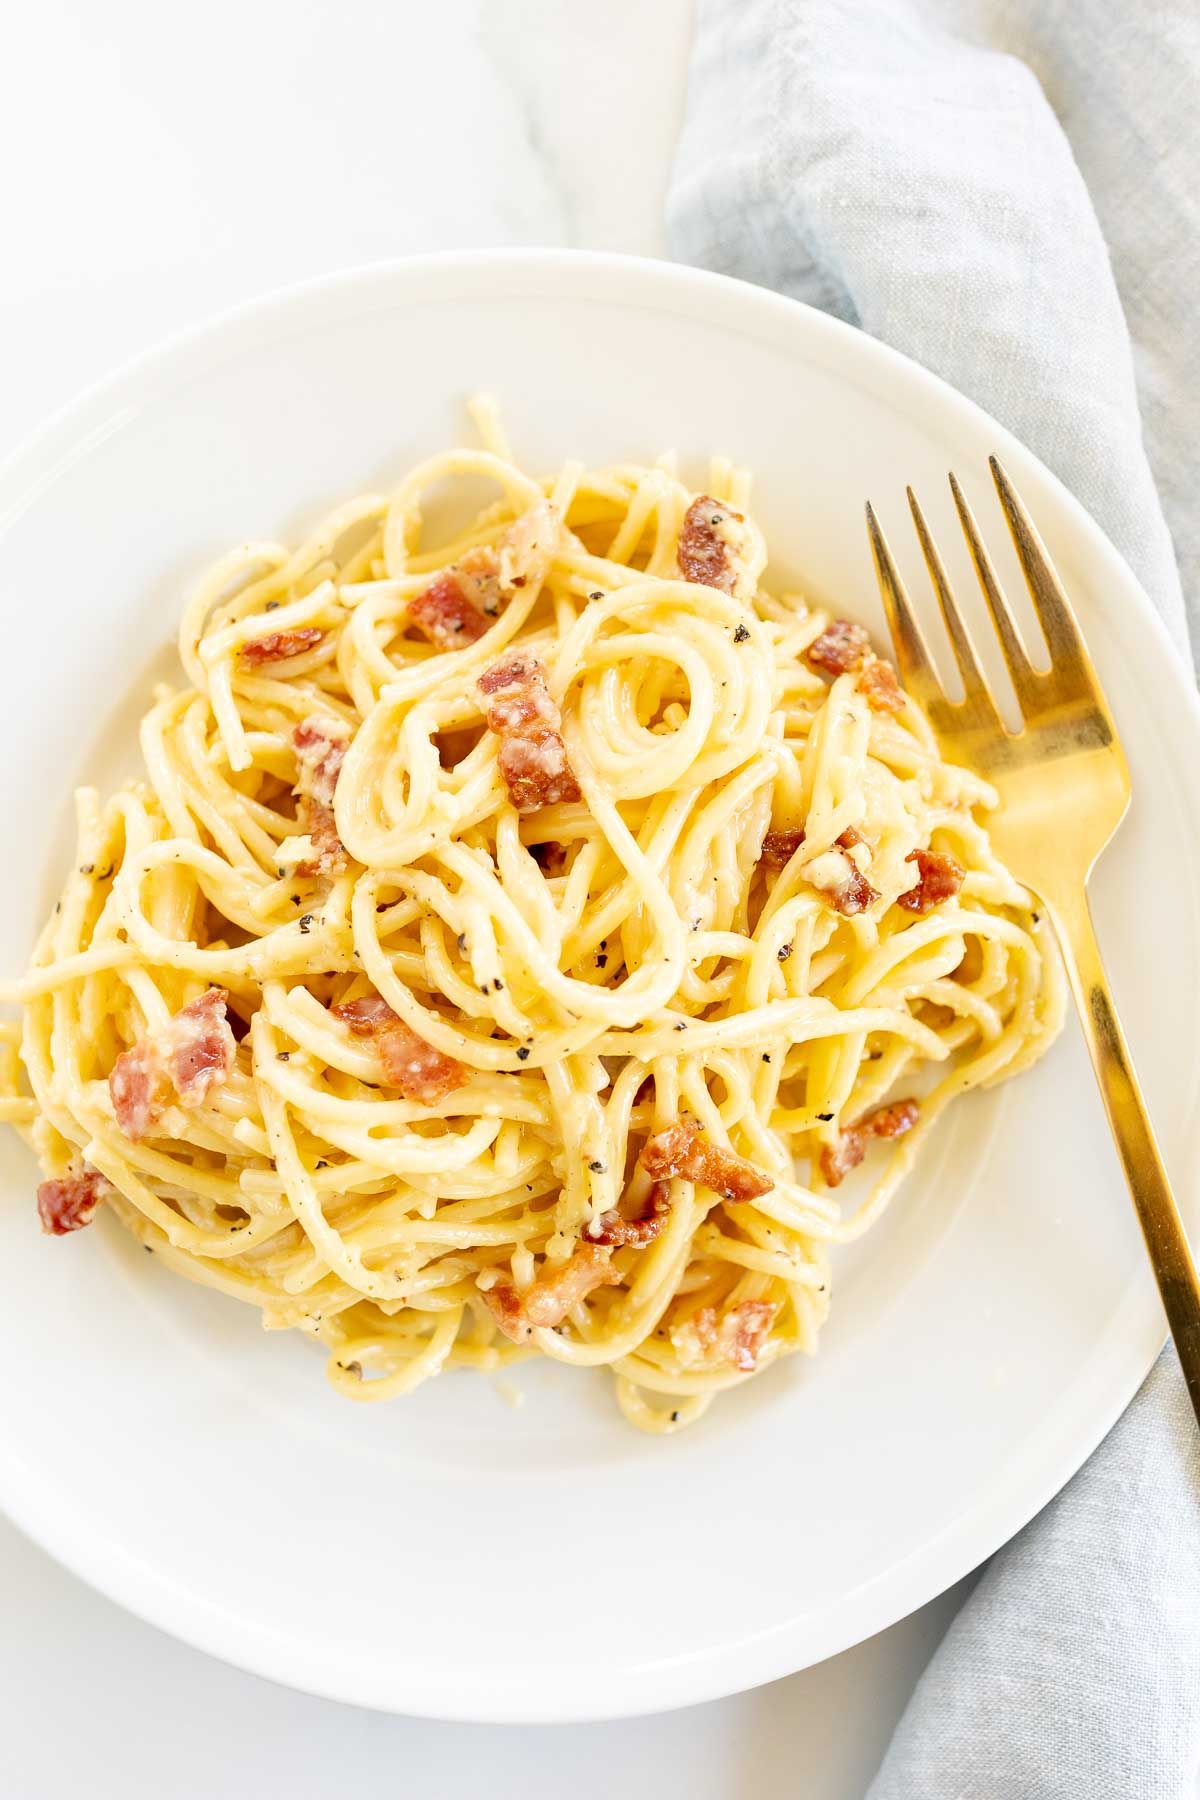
1154 1203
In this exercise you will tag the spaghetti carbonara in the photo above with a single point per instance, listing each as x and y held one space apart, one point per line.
516 940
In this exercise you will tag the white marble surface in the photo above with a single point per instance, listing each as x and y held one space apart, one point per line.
167 163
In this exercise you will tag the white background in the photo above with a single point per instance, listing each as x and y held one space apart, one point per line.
161 163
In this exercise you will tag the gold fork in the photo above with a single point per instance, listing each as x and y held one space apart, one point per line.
1064 786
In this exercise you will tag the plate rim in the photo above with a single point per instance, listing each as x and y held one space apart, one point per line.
76 427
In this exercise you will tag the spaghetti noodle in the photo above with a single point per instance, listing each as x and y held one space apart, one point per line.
515 942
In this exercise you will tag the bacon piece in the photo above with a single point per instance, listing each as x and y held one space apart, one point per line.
320 744
836 875
841 646
711 544
329 856
529 704
551 858
939 878
536 772
551 1297
680 1150
612 1229
532 757
201 1047
420 1071
277 646
69 1203
734 1337
527 548
446 614
460 603
779 847
188 1057
889 1121
880 688
136 1089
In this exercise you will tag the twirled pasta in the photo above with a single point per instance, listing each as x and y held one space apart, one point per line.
596 973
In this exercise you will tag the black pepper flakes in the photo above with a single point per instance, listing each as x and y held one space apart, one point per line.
825 1118
306 922
681 1024
462 943
522 1053
783 952
497 985
271 606
674 1418
596 594
87 868
283 1056
601 961
742 634
597 1168
766 1056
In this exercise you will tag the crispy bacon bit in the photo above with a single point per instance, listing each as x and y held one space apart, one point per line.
529 703
69 1203
460 603
840 879
446 614
710 544
277 646
779 847
536 772
680 1150
532 756
551 858
734 1337
328 851
938 878
890 1121
527 548
551 1297
135 1088
612 1229
850 837
879 687
841 646
421 1072
191 1054
199 1046
320 745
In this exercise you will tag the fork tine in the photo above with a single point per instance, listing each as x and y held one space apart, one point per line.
1019 667
912 656
1049 597
975 687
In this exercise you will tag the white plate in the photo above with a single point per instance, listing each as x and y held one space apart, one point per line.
445 1554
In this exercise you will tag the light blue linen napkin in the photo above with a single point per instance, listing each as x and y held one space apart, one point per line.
1009 191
